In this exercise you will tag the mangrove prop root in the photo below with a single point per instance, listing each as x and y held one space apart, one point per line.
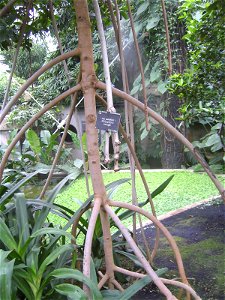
164 290
181 285
31 122
140 65
138 165
88 241
34 77
162 228
172 130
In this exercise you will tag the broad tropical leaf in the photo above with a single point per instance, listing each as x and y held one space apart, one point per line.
64 273
73 292
6 271
6 236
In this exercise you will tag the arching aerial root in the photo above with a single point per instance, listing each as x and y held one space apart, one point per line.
172 130
99 208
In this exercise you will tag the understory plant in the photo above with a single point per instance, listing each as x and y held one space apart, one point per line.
37 151
37 261
121 250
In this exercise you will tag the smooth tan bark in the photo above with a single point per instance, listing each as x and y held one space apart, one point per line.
164 290
166 233
88 80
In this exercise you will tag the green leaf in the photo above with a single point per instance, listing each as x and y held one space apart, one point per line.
156 192
155 72
142 7
84 142
6 236
131 257
78 163
6 271
45 136
139 284
16 186
113 187
57 209
214 142
162 87
135 89
153 22
162 187
34 141
73 292
22 218
144 134
45 211
53 231
93 273
51 144
23 285
111 294
53 256
75 138
115 184
73 219
64 273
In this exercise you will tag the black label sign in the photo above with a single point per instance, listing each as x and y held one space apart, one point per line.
108 121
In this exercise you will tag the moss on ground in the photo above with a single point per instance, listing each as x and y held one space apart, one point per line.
203 261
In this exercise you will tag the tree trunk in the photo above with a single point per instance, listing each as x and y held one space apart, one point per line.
173 150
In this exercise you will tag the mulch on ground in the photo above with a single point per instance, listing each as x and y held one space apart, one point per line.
199 233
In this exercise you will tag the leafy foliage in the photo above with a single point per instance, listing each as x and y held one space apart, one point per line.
150 29
10 23
33 252
4 77
28 62
201 87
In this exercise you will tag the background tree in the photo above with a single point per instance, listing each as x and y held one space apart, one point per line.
202 86
150 26
29 60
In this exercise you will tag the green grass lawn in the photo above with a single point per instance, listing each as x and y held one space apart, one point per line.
185 188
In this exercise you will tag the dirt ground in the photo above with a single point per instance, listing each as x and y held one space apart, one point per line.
199 233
